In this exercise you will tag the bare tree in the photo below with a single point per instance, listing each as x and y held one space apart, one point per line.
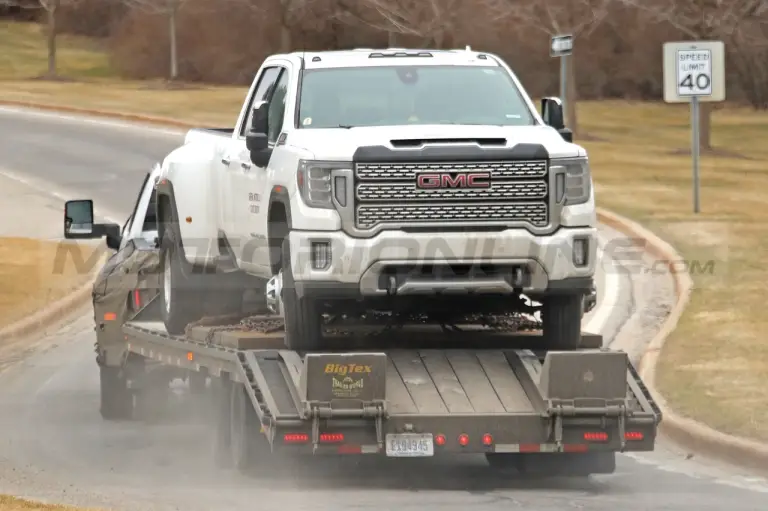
553 17
169 8
51 8
704 20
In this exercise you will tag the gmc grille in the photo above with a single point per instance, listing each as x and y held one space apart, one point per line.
386 193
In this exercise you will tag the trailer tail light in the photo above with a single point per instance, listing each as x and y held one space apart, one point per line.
295 438
463 440
331 438
633 435
440 439
596 436
487 439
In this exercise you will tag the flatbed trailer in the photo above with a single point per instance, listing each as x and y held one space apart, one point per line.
430 393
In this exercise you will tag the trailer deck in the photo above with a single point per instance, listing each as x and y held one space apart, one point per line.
430 392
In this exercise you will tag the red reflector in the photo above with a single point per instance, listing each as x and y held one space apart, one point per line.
596 436
575 447
487 439
331 437
440 439
633 435
350 449
463 440
136 299
295 438
530 448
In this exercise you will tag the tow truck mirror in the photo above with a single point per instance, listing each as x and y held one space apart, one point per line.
78 224
78 220
256 139
552 113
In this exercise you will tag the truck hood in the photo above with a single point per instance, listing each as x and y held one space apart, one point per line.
341 143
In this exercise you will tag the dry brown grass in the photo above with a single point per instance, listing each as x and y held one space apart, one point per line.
715 363
31 276
8 503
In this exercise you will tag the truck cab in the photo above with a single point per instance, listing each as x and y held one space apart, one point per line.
407 181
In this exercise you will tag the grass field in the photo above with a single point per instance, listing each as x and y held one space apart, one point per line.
13 504
714 365
30 277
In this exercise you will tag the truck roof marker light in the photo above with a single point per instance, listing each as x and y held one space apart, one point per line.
463 439
296 438
440 439
596 436
487 439
110 316
633 435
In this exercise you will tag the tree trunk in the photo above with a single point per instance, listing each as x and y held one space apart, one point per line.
172 37
52 38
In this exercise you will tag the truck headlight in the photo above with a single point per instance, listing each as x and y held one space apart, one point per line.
576 184
315 184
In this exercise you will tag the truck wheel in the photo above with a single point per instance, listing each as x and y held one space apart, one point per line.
221 411
303 321
561 321
247 443
116 397
181 303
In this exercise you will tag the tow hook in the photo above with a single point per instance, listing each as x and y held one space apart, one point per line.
274 294
590 300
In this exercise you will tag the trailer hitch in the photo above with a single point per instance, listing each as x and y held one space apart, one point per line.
376 410
558 410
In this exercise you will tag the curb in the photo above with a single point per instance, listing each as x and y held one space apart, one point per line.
50 314
686 432
148 119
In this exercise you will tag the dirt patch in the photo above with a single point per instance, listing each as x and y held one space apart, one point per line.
8 503
34 273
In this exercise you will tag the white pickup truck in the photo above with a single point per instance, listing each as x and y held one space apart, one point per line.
397 180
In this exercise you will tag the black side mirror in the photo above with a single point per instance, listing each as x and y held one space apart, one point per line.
78 220
552 113
78 224
256 138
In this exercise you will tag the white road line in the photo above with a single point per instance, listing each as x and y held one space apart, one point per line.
609 293
84 119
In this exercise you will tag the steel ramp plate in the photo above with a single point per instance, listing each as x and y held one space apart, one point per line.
444 382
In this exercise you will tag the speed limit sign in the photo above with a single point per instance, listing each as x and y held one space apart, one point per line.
694 69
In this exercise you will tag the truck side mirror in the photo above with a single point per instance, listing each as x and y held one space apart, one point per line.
256 139
78 224
552 113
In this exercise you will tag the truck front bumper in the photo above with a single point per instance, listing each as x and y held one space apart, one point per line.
334 263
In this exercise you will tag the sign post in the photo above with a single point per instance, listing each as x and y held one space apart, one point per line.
694 72
562 46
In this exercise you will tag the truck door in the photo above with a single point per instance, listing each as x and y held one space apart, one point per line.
241 178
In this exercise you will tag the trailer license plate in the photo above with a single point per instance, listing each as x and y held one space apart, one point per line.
408 445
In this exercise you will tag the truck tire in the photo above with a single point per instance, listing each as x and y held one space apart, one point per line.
221 411
303 321
181 302
116 397
247 443
561 321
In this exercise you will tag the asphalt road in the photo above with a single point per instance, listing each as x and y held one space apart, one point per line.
54 445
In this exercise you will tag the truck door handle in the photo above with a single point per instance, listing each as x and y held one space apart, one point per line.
225 161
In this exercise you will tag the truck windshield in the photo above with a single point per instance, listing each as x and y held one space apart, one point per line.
410 95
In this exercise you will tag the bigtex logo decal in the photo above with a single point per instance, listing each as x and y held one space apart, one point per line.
345 369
